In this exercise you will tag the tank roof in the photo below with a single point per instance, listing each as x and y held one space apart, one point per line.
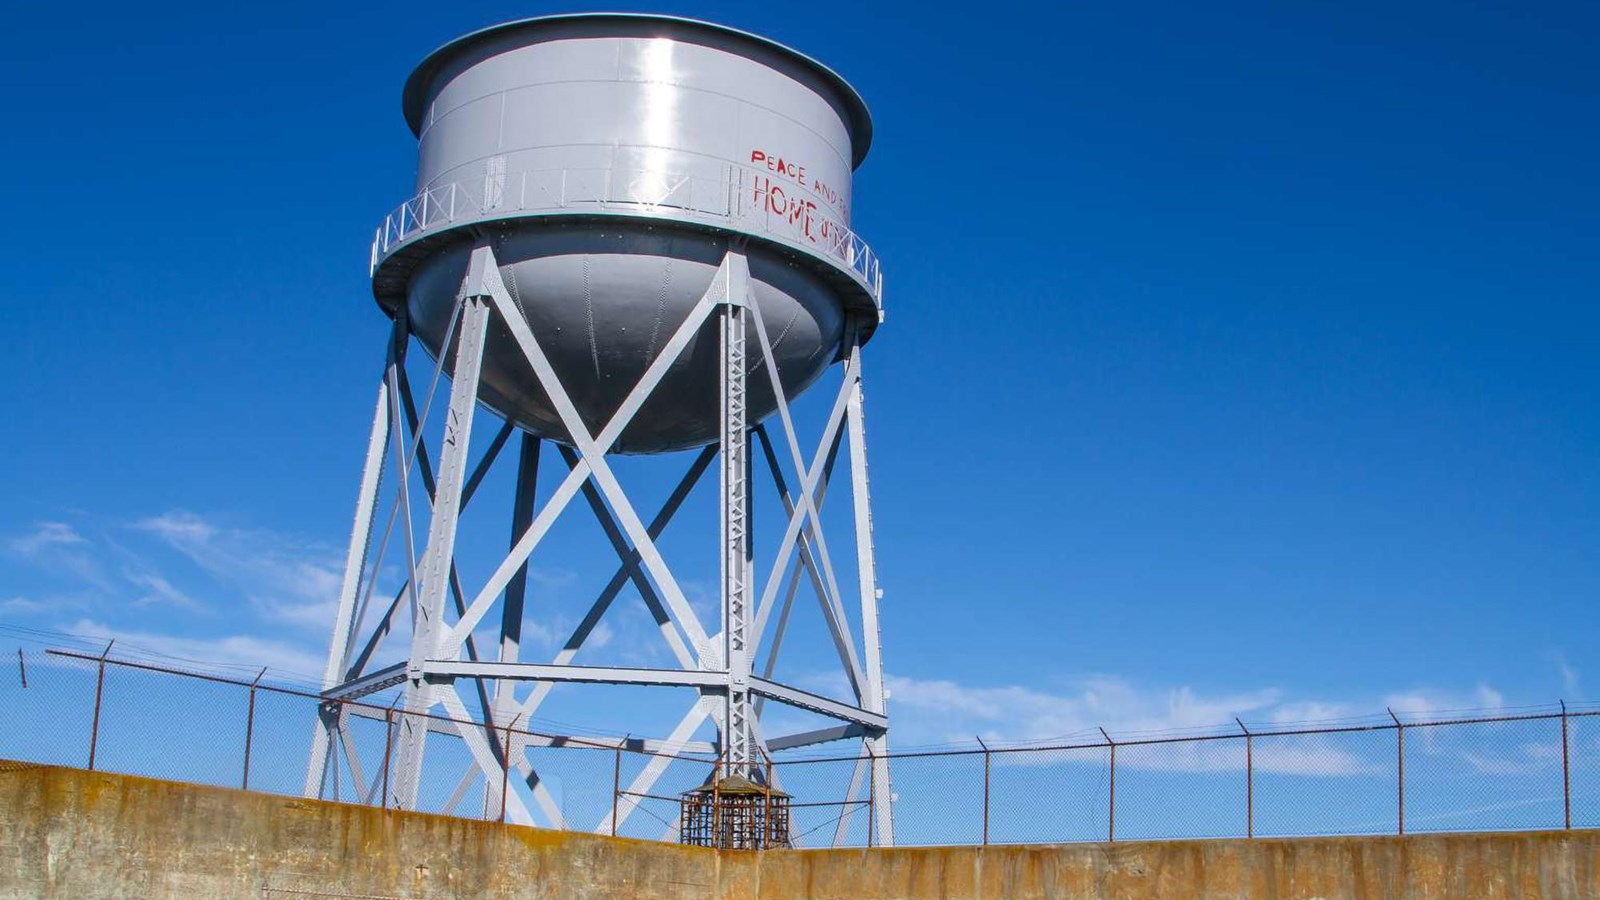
845 98
736 784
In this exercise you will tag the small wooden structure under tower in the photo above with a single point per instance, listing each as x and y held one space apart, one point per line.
734 813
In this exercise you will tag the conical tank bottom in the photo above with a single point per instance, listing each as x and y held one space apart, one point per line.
602 299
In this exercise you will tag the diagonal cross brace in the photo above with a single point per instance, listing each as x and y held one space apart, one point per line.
581 633
381 628
832 610
630 562
808 487
813 518
628 801
439 557
591 462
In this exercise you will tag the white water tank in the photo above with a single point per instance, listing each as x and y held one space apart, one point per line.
612 159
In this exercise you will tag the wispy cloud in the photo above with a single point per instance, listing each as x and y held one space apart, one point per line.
1523 759
947 712
47 535
551 579
957 712
60 548
23 605
158 591
130 577
286 579
1571 684
1427 704
236 651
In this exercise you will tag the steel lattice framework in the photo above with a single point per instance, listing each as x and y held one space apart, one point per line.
445 657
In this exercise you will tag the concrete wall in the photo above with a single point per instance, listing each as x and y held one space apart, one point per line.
66 833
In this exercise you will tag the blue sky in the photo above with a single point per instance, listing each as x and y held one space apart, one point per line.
1238 360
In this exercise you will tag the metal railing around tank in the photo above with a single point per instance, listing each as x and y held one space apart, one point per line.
1395 773
748 199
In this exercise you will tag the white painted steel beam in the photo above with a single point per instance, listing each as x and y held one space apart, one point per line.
739 748
370 683
441 669
817 736
827 593
630 563
818 704
344 622
876 698
652 771
439 557
579 635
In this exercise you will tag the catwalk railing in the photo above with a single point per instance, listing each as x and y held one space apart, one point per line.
738 197
1528 770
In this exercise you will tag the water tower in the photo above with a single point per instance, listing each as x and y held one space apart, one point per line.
630 235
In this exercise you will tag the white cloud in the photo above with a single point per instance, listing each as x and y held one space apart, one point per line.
286 579
1525 759
24 605
1571 686
1295 712
237 652
59 547
179 528
273 578
946 711
1426 704
158 590
46 535
551 579
312 615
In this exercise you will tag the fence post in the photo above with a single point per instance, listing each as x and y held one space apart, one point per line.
1111 820
1566 770
716 802
985 789
872 793
99 686
22 668
616 786
388 746
1400 766
1249 781
250 728
766 808
505 769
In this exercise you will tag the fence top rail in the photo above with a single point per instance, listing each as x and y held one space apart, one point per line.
1196 738
165 670
376 710
623 744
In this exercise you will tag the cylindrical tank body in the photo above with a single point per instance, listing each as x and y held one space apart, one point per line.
611 160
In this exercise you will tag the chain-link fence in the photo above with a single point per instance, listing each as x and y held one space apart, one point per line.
1526 770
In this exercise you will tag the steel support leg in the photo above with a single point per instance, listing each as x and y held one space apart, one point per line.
875 699
354 566
511 610
434 574
740 755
